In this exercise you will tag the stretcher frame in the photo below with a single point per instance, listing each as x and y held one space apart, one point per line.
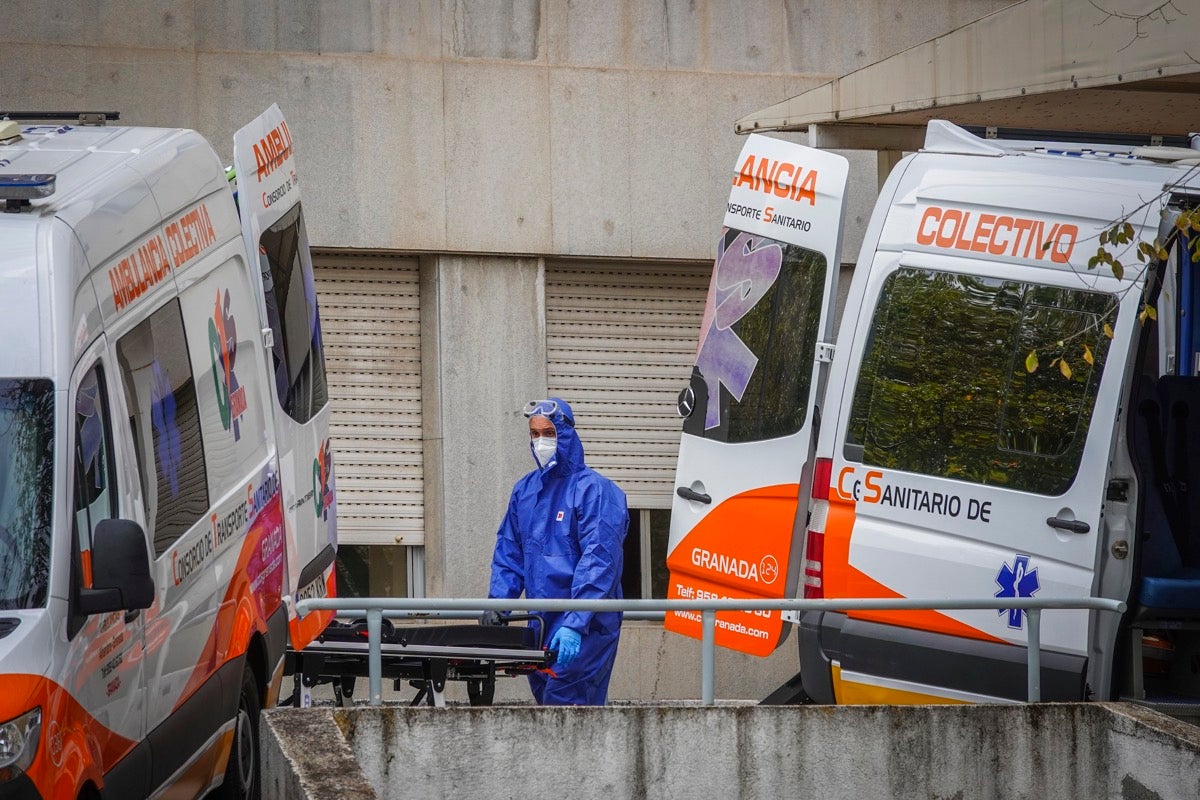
339 657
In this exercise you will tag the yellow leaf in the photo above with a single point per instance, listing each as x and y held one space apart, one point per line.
1108 331
1064 369
1118 270
1031 362
1151 312
1087 355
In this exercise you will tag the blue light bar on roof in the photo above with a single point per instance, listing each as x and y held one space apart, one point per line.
26 187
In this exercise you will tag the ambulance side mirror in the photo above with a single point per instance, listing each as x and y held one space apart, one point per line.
121 579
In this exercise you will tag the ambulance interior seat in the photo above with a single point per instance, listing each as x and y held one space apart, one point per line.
1167 449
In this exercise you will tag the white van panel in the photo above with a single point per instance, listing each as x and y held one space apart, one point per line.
22 285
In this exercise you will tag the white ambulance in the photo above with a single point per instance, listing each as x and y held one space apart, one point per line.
1006 415
165 478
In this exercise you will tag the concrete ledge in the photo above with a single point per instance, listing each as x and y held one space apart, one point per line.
305 756
1093 750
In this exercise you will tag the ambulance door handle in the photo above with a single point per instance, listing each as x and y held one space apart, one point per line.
1072 525
689 494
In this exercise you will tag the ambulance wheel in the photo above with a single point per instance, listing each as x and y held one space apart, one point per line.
243 774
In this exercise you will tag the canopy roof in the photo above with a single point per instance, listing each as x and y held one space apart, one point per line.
1121 66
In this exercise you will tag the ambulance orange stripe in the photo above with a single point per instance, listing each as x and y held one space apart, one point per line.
740 549
845 581
241 611
74 745
303 631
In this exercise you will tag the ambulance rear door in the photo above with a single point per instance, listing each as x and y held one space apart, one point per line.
273 225
974 437
749 411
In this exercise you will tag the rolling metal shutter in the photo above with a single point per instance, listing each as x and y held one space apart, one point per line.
371 328
620 342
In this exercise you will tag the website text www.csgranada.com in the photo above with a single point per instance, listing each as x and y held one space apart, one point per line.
732 627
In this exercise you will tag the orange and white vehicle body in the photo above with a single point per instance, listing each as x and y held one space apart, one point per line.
153 524
1005 419
748 430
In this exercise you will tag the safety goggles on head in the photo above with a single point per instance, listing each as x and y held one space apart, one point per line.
547 409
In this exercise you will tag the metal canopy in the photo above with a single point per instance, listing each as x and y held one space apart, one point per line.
1128 66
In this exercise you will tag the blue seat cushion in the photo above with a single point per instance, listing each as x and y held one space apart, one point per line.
1179 590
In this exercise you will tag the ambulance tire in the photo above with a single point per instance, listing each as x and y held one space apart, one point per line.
243 775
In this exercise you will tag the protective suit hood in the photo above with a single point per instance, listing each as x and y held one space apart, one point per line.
569 457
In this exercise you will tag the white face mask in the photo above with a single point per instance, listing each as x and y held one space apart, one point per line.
544 448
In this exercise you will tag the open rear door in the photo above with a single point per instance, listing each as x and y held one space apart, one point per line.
749 409
273 226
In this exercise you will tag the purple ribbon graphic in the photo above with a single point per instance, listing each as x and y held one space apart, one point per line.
744 273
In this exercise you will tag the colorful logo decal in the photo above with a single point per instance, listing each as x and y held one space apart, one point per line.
323 480
745 271
1017 580
222 346
166 432
768 569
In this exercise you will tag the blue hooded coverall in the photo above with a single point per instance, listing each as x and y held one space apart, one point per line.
563 536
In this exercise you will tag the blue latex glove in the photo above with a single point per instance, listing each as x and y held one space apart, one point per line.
566 642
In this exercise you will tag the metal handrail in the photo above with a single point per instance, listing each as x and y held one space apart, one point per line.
375 608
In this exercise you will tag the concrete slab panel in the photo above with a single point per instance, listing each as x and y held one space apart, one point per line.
497 140
587 34
686 46
745 37
682 155
836 38
590 163
368 139
238 26
508 29
410 29
167 25
669 167
316 96
492 361
148 87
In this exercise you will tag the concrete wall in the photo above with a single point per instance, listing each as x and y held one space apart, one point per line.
486 136
845 753
524 126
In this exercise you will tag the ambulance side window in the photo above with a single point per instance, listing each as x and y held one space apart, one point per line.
297 358
944 387
754 364
95 478
160 393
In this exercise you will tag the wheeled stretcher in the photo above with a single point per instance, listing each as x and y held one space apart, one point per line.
426 656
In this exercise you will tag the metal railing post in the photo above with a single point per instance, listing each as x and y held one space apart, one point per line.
374 655
708 622
1034 637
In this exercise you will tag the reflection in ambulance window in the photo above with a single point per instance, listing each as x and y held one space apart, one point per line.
944 388
754 363
95 494
160 393
291 299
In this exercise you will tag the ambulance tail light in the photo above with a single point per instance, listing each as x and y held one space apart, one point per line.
814 543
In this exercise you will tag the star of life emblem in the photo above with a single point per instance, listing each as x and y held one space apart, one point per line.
1017 580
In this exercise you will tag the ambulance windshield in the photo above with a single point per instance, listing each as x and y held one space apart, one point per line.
26 489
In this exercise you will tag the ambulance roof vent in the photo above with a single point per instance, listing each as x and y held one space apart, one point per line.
18 190
9 131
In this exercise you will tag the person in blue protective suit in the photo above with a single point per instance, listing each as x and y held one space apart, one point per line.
563 536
